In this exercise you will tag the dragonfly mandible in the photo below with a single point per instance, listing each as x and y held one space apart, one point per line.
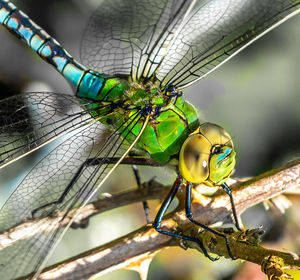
137 58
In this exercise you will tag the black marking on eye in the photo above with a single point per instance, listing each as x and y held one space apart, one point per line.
190 154
216 149
196 156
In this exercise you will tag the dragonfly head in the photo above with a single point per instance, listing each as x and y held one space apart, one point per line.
207 156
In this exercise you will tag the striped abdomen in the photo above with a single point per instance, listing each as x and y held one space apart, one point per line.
86 83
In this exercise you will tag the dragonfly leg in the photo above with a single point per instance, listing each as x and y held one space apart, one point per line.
189 215
161 213
228 191
138 181
128 160
92 162
62 196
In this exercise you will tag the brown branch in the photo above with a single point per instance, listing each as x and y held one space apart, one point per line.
32 227
207 210
245 245
246 194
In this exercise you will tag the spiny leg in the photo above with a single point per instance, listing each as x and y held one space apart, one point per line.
228 191
128 160
162 211
138 181
87 163
189 215
64 193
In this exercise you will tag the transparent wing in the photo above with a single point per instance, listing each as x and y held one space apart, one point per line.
214 32
66 178
30 120
129 37
176 41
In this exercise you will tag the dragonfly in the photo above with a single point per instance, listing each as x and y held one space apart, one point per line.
127 108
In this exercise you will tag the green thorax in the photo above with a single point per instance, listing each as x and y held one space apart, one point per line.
167 129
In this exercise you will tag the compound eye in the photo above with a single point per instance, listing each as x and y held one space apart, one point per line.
216 134
222 158
194 158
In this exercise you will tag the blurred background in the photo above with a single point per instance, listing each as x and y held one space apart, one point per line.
255 97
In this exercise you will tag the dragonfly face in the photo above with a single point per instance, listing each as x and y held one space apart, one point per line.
207 156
